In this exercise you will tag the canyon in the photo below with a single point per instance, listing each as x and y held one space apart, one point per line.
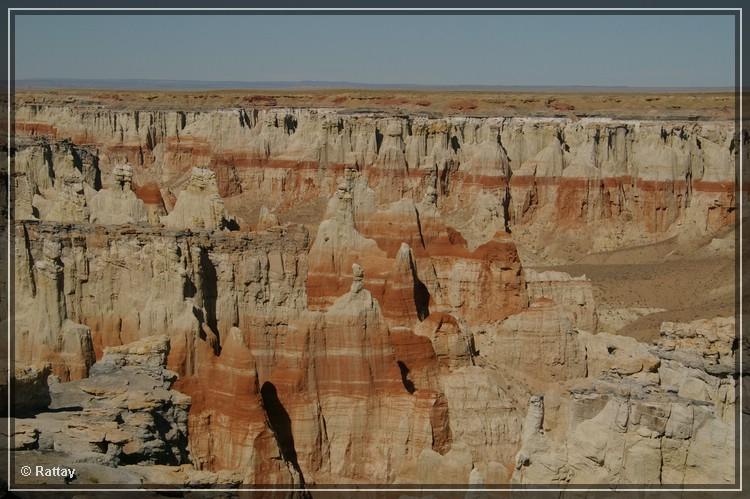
307 296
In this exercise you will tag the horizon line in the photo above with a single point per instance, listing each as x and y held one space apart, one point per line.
190 84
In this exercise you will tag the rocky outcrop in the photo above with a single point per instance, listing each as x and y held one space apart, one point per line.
232 428
118 205
123 413
66 203
45 331
574 294
199 205
409 245
184 285
31 393
125 424
707 344
638 417
267 219
541 335
54 181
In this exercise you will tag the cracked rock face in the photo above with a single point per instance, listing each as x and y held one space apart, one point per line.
306 296
118 205
658 421
199 205
123 413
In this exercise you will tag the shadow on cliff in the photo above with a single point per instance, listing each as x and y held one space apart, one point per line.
421 298
281 425
408 384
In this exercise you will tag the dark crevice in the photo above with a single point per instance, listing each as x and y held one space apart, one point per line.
28 401
445 175
48 161
198 313
506 204
209 291
151 139
455 145
561 139
507 195
188 288
97 173
176 441
473 351
419 227
30 267
281 426
70 408
408 384
421 298
290 124
378 140
231 224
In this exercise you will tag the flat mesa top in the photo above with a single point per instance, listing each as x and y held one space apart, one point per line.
625 104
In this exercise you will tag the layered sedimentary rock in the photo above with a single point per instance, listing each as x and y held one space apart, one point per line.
119 204
54 181
45 330
396 337
575 294
639 416
157 280
407 244
123 413
199 204
541 335
267 219
647 179
67 202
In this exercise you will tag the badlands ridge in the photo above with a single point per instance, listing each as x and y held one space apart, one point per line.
309 296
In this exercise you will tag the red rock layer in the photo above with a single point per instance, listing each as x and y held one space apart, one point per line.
483 284
261 151
655 204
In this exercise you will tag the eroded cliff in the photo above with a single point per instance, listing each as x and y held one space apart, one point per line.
348 298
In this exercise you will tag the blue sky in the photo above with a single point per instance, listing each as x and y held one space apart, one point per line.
602 50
